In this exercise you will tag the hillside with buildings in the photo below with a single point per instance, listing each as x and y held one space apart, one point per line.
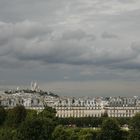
37 99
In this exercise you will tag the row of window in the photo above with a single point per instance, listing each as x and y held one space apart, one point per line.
123 111
78 115
121 115
80 108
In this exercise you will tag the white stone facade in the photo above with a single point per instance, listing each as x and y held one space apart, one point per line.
81 107
76 111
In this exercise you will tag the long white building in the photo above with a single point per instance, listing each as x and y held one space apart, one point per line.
82 107
123 106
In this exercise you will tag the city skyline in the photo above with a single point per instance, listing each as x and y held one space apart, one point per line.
75 48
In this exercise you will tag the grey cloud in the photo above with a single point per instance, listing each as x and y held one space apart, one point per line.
29 30
127 66
75 53
134 62
25 29
16 36
77 34
19 10
127 1
136 46
29 41
107 35
52 39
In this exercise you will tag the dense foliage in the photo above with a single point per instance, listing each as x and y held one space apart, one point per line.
90 121
21 124
2 115
135 128
110 130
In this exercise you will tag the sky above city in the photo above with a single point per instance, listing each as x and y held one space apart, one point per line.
71 47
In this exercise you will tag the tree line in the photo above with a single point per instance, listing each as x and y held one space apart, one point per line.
90 121
21 124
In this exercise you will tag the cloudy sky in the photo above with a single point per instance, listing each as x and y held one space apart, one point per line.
71 47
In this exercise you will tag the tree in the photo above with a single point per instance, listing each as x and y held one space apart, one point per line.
60 133
72 133
48 112
82 121
36 129
110 130
30 130
7 134
48 126
86 134
73 136
135 128
2 115
20 114
31 114
85 137
104 115
16 116
123 120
